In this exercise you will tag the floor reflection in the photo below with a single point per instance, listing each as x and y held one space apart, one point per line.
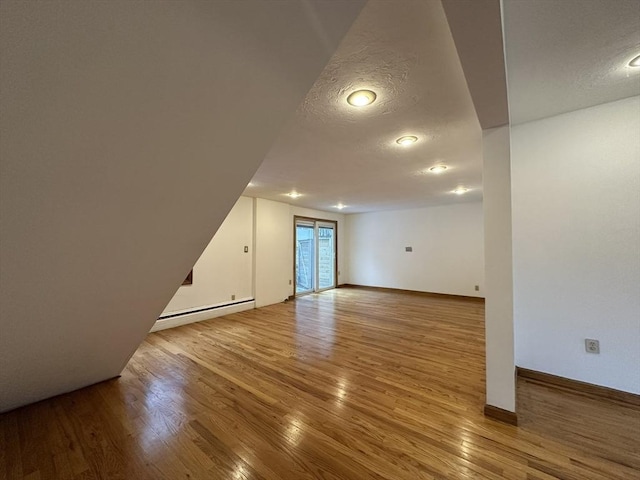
341 391
315 327
349 384
294 431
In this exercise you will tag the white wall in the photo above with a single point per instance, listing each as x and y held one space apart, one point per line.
263 274
123 148
447 244
223 269
499 329
274 248
274 252
576 248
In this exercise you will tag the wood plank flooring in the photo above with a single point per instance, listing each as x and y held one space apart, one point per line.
347 384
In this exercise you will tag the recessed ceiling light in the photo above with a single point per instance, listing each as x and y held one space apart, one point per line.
361 98
635 62
294 194
407 140
460 190
438 169
340 206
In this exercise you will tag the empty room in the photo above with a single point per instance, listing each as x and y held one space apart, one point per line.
320 239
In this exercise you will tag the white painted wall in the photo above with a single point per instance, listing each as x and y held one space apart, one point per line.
263 274
447 244
274 248
123 147
576 231
223 269
499 336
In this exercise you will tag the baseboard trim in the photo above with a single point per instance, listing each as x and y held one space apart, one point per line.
497 413
184 318
412 292
578 387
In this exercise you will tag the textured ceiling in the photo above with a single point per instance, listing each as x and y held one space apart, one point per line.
333 153
561 55
569 54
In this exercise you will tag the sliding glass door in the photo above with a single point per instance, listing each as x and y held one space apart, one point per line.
315 255
305 257
326 256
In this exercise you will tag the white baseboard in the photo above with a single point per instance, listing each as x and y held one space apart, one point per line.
186 317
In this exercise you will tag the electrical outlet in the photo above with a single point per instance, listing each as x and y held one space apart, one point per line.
289 282
246 249
477 288
233 297
591 345
408 249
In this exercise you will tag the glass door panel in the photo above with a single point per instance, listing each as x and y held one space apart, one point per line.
305 257
326 257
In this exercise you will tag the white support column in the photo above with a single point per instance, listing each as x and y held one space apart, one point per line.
501 386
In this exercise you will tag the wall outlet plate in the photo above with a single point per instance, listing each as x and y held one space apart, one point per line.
233 297
591 345
477 288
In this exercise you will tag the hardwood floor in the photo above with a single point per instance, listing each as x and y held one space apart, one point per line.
347 384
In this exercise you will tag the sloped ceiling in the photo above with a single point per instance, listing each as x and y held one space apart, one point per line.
331 152
476 27
441 71
129 129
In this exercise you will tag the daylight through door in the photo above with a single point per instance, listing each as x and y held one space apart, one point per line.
315 255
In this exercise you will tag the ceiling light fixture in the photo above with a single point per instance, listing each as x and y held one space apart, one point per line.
361 98
407 140
340 206
294 194
635 62
460 190
438 169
